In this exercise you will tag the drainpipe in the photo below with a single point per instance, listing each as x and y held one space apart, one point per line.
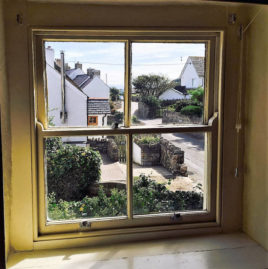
63 113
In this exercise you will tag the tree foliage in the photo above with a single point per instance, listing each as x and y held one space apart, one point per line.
152 85
148 197
70 169
114 94
197 95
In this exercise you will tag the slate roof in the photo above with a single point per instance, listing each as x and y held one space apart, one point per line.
98 106
198 63
82 80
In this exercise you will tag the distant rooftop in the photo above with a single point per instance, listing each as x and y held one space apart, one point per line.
98 106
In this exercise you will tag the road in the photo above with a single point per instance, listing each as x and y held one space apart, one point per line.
191 144
193 148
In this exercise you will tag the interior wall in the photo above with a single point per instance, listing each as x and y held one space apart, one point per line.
68 15
5 128
255 219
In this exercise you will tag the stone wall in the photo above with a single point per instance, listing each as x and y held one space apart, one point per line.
112 150
172 158
143 110
176 117
150 154
99 144
166 154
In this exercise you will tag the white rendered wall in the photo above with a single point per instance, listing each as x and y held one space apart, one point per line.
50 56
75 103
189 75
97 88
171 95
136 154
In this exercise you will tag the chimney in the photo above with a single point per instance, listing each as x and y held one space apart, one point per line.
93 73
67 67
78 65
50 56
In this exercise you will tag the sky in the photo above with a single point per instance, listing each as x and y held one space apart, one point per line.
147 58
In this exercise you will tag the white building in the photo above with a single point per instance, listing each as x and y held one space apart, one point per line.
192 74
173 94
86 97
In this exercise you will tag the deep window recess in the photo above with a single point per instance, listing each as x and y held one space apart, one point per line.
127 129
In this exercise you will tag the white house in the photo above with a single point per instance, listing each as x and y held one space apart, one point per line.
172 94
192 74
85 104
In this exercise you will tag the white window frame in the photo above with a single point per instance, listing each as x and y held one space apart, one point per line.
212 127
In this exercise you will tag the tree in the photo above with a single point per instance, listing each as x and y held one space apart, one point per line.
152 85
114 94
197 95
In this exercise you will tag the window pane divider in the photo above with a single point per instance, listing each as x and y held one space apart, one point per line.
126 131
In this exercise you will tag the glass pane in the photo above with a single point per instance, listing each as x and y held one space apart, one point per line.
90 90
168 172
168 82
85 177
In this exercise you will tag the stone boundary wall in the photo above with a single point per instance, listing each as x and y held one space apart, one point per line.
176 117
150 154
172 158
166 154
143 110
99 144
104 145
112 150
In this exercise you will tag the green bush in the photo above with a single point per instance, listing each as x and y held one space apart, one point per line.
70 169
149 197
192 111
118 117
153 103
180 104
197 95
135 119
147 139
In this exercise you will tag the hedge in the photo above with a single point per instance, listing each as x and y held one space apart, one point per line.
70 170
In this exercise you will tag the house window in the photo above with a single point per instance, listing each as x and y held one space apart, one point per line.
92 120
151 155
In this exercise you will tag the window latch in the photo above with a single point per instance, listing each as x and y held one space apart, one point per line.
176 216
85 224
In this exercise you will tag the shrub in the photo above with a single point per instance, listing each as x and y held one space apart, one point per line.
149 197
147 139
70 169
192 111
166 103
153 103
118 117
180 104
134 119
197 95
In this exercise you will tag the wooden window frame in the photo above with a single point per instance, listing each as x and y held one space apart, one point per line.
89 123
212 127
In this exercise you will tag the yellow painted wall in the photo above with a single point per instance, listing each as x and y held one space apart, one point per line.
255 219
196 16
5 121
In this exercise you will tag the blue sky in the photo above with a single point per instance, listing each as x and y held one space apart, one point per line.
147 58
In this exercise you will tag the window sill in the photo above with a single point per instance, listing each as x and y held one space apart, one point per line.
232 250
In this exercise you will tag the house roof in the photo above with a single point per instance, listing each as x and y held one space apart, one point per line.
98 106
82 80
198 63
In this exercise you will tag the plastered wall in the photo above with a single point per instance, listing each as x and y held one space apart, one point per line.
255 219
20 89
